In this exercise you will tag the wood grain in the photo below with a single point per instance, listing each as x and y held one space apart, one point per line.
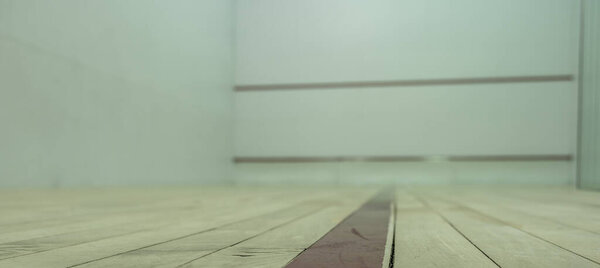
435 226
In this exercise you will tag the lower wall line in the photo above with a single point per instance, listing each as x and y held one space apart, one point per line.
401 158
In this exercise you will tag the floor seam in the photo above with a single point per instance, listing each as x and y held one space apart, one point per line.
181 237
526 232
456 229
261 233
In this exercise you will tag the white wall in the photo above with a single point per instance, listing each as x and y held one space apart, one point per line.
433 120
115 92
311 41
285 41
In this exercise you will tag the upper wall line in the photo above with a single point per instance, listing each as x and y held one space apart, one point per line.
404 83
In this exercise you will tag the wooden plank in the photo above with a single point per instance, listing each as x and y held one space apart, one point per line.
506 245
80 211
149 234
425 239
567 213
580 242
358 241
130 214
277 247
47 238
46 209
559 194
175 252
46 206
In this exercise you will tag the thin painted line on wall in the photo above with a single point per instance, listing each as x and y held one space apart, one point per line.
511 158
404 83
453 158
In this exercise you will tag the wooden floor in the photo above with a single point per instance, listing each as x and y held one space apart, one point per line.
273 227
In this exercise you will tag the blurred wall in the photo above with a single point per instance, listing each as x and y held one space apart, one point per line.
313 41
115 92
589 176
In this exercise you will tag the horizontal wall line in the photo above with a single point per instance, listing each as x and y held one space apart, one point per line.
404 83
451 158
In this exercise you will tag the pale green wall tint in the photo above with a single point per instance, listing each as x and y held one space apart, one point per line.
308 41
115 92
139 92
291 41
590 100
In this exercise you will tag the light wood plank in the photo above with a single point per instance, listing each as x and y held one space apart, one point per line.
506 245
575 215
179 251
424 239
72 255
177 208
277 247
70 234
584 243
